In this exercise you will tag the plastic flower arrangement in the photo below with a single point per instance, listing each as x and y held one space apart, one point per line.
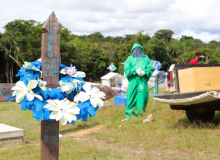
52 103
112 67
156 65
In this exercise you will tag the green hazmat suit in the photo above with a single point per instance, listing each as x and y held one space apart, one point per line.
137 92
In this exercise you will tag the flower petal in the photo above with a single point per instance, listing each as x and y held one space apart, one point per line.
20 97
81 96
87 87
73 111
30 97
32 84
51 102
100 94
38 97
63 120
17 88
51 107
20 84
94 90
63 71
80 74
99 102
93 102
69 117
72 105
59 115
16 92
53 115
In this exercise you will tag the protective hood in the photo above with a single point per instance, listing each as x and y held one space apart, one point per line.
135 45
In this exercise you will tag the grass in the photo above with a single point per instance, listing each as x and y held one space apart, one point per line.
169 136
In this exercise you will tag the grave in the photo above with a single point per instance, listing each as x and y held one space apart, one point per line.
9 134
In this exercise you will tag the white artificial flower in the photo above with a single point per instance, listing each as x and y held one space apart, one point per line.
94 94
62 110
79 74
20 91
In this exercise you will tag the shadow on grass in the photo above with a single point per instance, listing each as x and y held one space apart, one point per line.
184 123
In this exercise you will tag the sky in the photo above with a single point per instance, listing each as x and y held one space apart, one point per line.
196 18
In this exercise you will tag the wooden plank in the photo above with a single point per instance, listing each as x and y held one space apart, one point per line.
183 66
15 140
49 140
50 56
5 91
50 50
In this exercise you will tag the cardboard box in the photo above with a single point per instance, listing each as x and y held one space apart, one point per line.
199 79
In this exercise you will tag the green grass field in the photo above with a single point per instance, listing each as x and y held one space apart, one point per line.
169 136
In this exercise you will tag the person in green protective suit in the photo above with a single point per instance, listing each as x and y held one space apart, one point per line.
138 69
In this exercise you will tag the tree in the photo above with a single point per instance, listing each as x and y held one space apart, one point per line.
210 56
164 34
95 37
20 42
184 37
156 50
186 57
141 38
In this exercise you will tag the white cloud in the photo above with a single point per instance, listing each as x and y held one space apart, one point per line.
205 36
146 6
116 18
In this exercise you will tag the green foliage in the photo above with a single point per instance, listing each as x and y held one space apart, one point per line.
22 40
210 55
186 57
164 34
156 50
93 53
184 37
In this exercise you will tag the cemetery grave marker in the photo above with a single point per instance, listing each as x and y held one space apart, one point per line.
50 58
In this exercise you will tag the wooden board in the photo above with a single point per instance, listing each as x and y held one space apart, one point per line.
49 140
5 91
9 134
199 79
50 50
50 57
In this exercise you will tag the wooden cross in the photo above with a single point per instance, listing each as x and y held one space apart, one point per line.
50 57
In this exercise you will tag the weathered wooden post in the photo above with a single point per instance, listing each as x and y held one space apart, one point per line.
50 57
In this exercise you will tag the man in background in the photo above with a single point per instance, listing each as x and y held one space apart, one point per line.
198 57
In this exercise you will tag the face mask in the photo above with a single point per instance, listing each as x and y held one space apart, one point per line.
200 59
137 52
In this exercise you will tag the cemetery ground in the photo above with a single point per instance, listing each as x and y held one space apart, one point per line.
169 136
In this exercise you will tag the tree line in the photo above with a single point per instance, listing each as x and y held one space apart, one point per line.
21 41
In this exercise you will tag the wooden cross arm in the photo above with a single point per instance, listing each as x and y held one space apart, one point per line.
6 92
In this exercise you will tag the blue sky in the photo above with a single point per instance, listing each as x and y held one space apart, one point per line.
197 18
